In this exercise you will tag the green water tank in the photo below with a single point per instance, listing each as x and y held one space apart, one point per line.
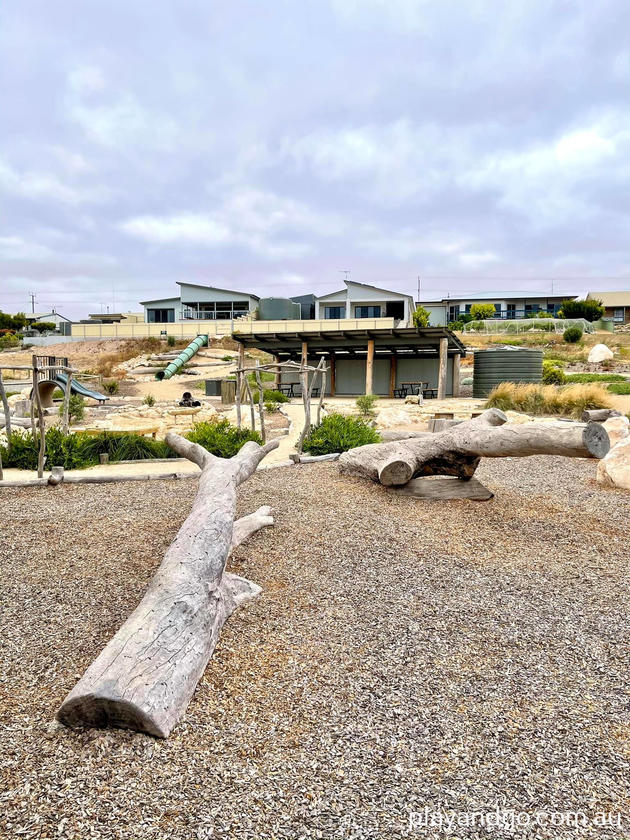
505 364
278 309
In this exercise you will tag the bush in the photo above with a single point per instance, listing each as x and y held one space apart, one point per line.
620 388
111 387
482 311
572 335
149 400
76 408
43 326
21 451
421 317
365 404
170 340
220 438
269 395
552 374
567 400
540 313
590 310
338 433
456 326
595 377
271 406
227 358
8 341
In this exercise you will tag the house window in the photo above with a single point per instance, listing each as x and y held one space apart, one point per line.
453 312
619 315
160 316
511 311
367 311
334 312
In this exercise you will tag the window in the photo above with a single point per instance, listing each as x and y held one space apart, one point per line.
160 316
511 311
619 315
334 312
453 312
213 310
367 311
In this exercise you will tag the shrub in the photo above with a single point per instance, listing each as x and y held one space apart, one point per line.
365 404
43 326
269 395
149 400
271 406
111 387
541 313
421 317
21 451
568 400
456 326
8 341
572 335
595 377
338 433
552 374
482 311
590 310
76 408
170 340
227 358
621 388
220 438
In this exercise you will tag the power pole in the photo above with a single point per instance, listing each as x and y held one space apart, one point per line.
32 297
418 298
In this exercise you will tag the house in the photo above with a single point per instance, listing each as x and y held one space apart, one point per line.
508 305
359 300
62 324
616 304
196 302
380 360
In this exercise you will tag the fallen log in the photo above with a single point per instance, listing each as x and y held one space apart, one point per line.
146 675
458 450
599 414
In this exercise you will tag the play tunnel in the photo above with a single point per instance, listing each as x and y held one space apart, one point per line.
185 356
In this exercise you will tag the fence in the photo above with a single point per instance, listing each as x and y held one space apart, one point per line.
556 325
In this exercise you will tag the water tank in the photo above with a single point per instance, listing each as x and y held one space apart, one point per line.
278 309
505 364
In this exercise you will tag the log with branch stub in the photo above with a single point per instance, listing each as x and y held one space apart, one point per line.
458 450
146 675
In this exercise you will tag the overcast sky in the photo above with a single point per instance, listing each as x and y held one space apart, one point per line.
267 146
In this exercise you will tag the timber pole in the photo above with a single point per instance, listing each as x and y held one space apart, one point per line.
442 368
369 367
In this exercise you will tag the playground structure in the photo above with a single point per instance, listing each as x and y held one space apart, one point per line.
185 356
53 374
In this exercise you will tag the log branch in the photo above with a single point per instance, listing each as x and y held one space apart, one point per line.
146 675
458 450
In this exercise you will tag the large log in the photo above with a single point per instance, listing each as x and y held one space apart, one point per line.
146 675
458 450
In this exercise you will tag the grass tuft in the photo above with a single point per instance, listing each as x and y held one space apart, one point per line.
566 400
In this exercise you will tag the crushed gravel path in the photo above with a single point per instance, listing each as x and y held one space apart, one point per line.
403 655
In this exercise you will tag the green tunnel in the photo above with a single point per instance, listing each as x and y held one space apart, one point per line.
185 356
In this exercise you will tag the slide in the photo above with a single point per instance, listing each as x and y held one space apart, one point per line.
184 356
77 388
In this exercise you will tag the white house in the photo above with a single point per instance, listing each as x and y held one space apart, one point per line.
508 305
199 303
359 300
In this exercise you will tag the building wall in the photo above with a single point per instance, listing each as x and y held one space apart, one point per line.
356 295
167 303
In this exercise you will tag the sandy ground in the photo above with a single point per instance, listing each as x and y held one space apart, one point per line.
402 655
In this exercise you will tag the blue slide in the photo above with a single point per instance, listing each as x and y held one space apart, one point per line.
77 388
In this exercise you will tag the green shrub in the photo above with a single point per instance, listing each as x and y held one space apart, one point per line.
269 395
552 374
111 387
595 377
76 408
365 404
621 388
590 310
456 326
227 358
220 438
421 317
43 326
271 406
149 400
8 340
572 335
21 452
482 311
170 340
338 433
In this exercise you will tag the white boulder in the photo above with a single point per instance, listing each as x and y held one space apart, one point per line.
618 428
388 418
600 353
614 469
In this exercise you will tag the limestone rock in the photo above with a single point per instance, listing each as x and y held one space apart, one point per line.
600 353
388 418
614 469
618 428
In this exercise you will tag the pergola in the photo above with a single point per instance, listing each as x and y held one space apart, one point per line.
394 344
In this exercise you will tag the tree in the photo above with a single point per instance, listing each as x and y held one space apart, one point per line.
421 317
44 326
482 311
590 310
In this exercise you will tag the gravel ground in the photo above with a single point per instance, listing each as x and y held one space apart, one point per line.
403 655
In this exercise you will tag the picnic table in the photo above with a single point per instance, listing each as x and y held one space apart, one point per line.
415 388
287 390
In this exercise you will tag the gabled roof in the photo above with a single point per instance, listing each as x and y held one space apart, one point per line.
365 286
216 289
619 298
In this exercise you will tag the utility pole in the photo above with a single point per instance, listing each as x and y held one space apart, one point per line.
32 297
418 298
346 274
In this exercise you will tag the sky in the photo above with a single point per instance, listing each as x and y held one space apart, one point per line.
271 146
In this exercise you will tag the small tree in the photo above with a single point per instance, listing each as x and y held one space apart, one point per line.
482 311
43 326
76 408
572 335
421 317
590 310
365 404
